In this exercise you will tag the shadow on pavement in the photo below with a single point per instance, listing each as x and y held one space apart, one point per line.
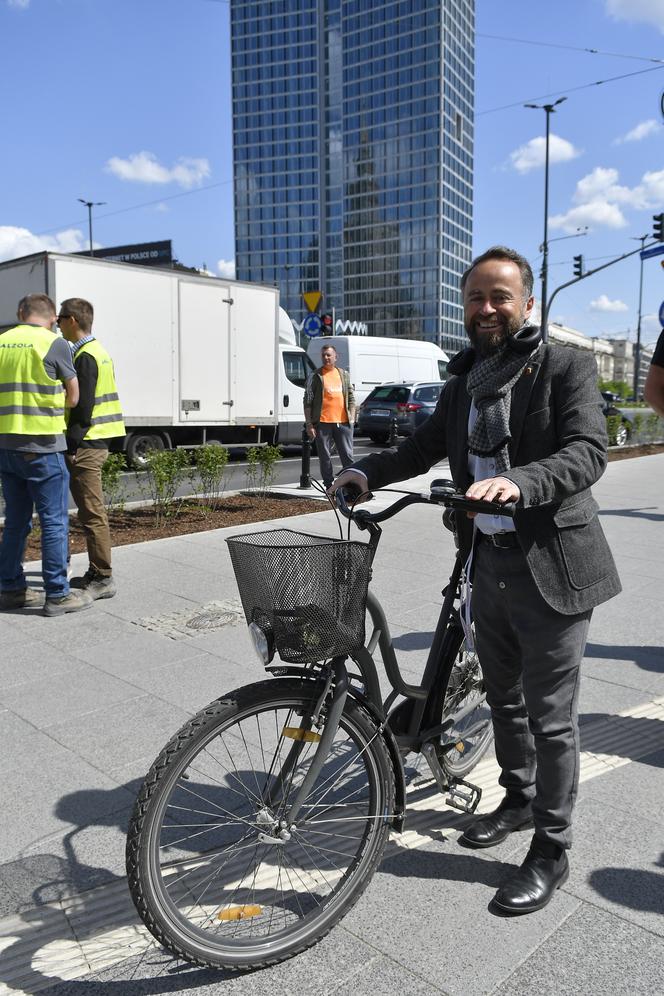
647 658
634 513
633 731
631 888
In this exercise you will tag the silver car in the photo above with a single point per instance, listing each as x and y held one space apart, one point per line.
409 404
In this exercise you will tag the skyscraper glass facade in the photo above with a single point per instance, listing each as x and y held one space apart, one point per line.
353 146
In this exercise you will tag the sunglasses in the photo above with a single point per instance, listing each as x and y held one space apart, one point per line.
62 317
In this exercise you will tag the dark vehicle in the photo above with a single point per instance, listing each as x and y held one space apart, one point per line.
410 404
624 430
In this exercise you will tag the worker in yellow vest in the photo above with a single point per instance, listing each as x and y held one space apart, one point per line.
37 382
95 420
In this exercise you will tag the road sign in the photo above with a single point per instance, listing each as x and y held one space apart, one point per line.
661 314
312 326
653 251
312 299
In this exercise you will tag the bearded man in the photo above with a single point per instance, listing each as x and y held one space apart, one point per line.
521 421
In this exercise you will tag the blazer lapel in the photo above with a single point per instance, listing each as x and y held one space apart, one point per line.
521 393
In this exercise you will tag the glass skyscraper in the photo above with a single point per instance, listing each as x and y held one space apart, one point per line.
353 157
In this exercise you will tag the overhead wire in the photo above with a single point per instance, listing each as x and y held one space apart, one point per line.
569 48
573 89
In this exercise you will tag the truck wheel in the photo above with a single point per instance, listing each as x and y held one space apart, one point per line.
138 445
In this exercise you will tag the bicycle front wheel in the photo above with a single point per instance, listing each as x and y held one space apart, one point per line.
215 871
465 694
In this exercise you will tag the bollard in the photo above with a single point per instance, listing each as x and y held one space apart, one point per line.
394 435
305 476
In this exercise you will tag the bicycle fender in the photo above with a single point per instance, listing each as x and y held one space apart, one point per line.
399 817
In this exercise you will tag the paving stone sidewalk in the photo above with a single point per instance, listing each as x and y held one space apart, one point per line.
88 700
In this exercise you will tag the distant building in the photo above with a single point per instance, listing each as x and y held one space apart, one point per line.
353 127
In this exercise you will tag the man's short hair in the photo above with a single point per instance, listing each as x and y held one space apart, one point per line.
329 347
36 306
510 256
81 310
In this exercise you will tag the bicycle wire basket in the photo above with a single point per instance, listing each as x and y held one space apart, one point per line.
308 593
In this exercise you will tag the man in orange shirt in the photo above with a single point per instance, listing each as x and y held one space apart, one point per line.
329 413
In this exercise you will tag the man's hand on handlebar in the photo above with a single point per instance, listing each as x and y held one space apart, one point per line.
493 489
353 483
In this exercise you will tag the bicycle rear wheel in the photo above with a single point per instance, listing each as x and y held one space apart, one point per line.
208 872
474 731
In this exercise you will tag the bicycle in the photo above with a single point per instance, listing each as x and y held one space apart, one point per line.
263 820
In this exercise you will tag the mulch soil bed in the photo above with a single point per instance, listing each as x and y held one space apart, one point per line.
138 524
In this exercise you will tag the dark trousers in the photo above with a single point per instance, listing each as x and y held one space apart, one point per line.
530 656
342 435
86 490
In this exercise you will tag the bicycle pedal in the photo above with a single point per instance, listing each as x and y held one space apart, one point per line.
463 795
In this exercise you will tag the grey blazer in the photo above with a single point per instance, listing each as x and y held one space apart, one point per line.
557 451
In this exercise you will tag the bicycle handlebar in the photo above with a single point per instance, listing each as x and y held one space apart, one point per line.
441 494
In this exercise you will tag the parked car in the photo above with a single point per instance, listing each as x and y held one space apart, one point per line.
410 404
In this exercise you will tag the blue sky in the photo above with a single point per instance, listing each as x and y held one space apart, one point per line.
128 102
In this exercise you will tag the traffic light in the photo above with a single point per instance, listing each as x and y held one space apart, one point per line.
578 266
328 324
658 227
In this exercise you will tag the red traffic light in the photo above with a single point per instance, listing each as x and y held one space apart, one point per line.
328 324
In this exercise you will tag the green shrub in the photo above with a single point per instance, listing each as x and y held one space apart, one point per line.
211 462
166 471
111 481
261 467
637 428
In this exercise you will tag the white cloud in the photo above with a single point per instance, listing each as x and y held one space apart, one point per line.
599 199
226 268
639 132
603 303
15 242
143 167
162 208
532 155
646 11
19 4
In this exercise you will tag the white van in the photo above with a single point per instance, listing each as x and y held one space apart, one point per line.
373 360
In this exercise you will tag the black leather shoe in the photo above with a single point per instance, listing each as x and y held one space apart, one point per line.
491 829
533 885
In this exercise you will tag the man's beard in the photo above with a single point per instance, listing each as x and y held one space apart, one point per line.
486 344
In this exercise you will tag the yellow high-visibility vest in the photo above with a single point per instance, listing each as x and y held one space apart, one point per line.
106 414
31 402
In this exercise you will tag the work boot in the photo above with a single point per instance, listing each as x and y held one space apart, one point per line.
22 598
97 585
75 601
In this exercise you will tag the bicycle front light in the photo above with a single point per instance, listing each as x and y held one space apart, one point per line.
263 641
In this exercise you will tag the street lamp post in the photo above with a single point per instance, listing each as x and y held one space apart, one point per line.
637 352
549 109
89 205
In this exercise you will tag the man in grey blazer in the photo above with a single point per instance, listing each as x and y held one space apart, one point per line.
521 421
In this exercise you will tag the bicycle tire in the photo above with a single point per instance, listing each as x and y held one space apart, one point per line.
229 924
466 682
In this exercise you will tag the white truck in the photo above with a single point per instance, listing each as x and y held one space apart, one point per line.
374 360
197 359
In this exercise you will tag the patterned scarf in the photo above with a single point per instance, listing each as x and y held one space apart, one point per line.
490 382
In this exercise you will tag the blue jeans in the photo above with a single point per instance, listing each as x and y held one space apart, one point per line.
35 481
